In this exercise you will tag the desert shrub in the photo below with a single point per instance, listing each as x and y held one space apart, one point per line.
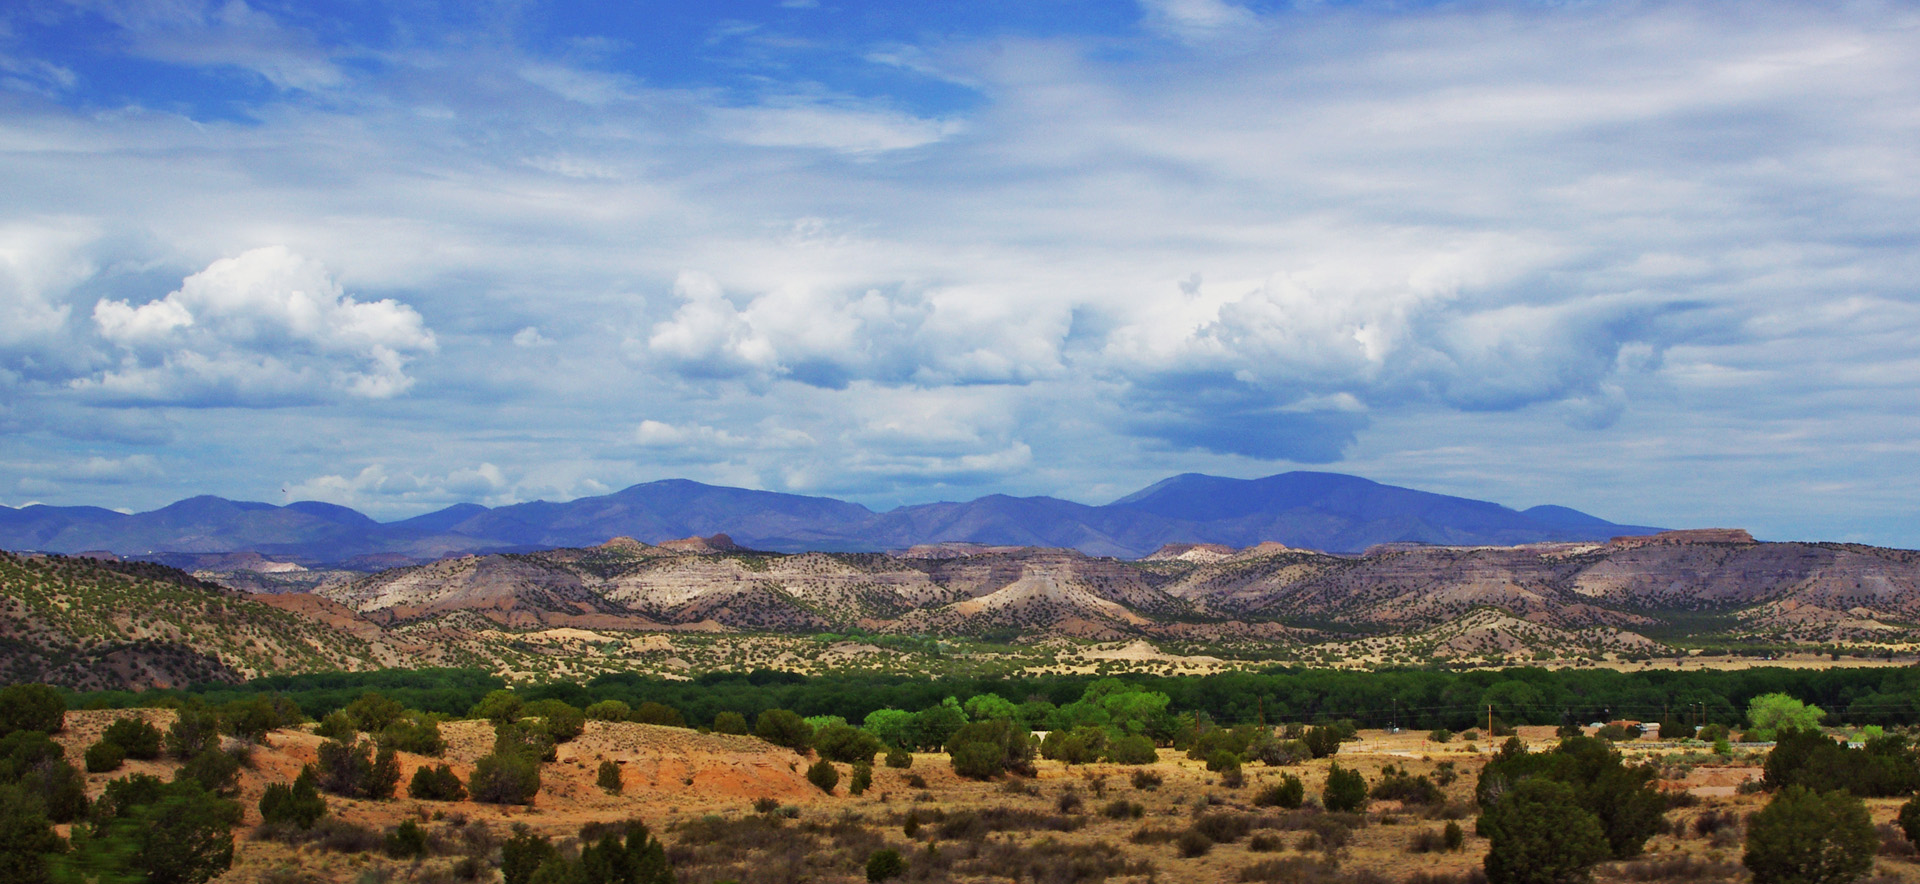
1440 735
1132 749
862 778
1222 760
1713 821
1893 842
1622 799
1808 837
916 781
406 841
436 783
102 757
608 710
37 766
358 771
215 771
884 864
1153 835
784 728
1681 867
1266 842
195 730
1069 801
1224 827
1427 841
505 778
1122 809
823 775
983 749
1232 779
1406 789
846 743
295 804
336 725
523 853
1322 741
1909 820
1286 794
975 825
1452 836
1470 876
1192 843
1538 833
899 759
608 777
1146 780
1346 790
560 720
1292 870
142 830
413 732
1444 774
729 723
1048 862
371 712
135 737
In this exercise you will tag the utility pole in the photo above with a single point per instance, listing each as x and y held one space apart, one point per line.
1489 721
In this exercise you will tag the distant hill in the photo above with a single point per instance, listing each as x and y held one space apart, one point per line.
1323 511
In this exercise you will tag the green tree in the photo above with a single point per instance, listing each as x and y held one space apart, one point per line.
505 778
105 757
862 777
498 707
1910 820
883 864
27 839
981 707
1808 837
560 720
296 804
664 715
135 737
823 774
935 725
32 707
608 777
413 732
1132 749
1538 834
782 727
195 730
988 748
899 759
608 710
1346 790
893 727
436 783
36 764
176 834
215 771
846 743
523 853
372 712
729 723
1768 714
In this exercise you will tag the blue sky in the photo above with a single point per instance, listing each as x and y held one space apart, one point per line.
1656 261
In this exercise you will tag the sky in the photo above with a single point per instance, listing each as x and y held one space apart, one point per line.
1654 261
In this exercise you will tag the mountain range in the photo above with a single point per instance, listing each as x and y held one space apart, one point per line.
1329 512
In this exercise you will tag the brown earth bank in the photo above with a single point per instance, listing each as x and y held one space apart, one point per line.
697 792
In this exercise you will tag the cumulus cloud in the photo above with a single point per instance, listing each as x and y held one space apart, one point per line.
265 327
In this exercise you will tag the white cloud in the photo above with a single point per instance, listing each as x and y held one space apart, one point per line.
264 327
827 127
1201 21
222 33
531 337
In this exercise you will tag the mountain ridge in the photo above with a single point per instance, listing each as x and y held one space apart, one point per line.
1326 511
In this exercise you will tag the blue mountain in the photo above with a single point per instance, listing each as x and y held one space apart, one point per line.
1327 511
